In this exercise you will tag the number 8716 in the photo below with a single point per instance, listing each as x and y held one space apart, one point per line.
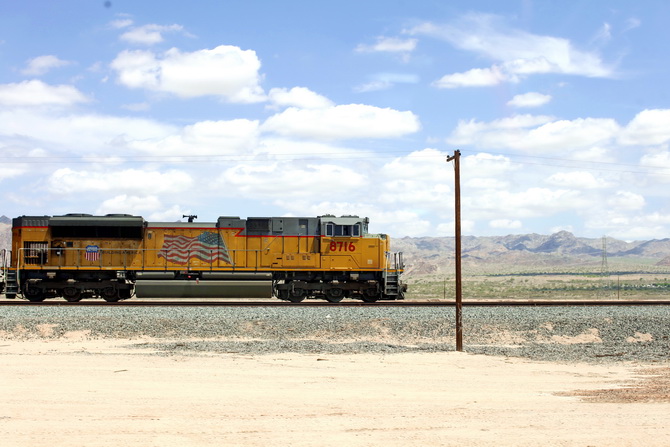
342 246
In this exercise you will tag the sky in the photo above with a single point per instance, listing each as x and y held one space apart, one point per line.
560 111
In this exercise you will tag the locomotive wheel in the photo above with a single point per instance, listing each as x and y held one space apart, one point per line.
72 294
370 296
334 295
296 294
110 294
33 294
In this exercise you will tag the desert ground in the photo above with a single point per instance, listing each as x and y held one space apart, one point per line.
77 391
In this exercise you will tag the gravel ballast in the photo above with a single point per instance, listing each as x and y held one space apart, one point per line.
567 334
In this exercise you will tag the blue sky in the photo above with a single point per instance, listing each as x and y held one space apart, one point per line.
561 111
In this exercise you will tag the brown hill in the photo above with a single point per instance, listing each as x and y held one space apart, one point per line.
529 252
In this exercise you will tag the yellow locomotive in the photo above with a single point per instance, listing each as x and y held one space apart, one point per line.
117 256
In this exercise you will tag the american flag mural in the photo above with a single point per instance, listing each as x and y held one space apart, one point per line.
208 247
92 253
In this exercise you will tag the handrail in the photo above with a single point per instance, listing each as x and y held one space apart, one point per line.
137 259
4 264
394 260
44 258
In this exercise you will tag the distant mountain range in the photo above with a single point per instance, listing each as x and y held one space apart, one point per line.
426 255
531 251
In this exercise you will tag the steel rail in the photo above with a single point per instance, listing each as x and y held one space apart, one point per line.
277 303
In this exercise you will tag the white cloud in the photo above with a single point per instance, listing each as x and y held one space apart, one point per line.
576 180
632 23
121 23
571 134
656 160
603 35
342 122
84 133
507 224
428 165
474 183
417 194
401 222
529 133
7 172
389 45
532 202
150 207
516 52
43 64
531 99
38 93
559 228
374 86
594 153
626 200
172 214
204 138
658 164
300 97
129 204
447 229
420 182
488 166
17 156
149 34
137 107
468 132
465 129
476 77
225 71
67 181
383 81
289 149
649 127
634 226
280 180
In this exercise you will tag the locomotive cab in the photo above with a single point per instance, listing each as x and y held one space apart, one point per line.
347 226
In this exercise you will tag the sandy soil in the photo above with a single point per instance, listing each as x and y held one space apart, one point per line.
71 392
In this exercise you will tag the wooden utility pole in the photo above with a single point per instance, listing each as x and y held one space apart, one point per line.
457 224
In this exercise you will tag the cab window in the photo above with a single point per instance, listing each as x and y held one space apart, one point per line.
343 230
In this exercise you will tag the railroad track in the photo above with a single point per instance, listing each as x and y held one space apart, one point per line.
320 303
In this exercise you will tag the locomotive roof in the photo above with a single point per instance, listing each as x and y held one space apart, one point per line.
80 220
127 220
87 220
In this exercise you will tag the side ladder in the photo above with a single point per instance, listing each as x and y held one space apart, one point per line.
393 286
11 285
